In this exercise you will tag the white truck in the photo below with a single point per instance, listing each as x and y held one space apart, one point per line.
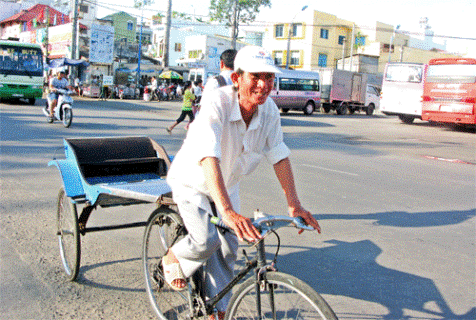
346 91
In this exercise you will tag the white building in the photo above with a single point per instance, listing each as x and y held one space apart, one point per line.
425 40
202 54
179 31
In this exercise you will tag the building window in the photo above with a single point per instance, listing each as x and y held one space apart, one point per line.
385 48
279 31
322 60
254 38
178 47
130 25
324 33
83 8
295 58
296 30
194 54
278 58
360 41
341 40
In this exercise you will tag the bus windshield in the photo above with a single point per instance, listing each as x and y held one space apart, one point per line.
404 73
452 73
17 60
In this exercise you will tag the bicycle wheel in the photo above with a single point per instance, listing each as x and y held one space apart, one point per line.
68 235
283 297
163 229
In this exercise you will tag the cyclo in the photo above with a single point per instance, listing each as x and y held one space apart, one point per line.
109 172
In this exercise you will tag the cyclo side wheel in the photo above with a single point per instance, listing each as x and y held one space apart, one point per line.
164 228
68 235
282 297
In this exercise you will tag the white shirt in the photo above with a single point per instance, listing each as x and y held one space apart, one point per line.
220 131
197 90
213 84
153 85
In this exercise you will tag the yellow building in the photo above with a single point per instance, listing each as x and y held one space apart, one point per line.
322 40
317 40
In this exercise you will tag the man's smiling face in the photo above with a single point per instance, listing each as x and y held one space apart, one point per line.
254 88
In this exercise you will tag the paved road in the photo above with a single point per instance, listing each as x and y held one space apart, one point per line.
396 203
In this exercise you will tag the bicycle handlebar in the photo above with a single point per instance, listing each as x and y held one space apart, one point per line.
268 223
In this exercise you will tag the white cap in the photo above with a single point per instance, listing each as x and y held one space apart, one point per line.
255 59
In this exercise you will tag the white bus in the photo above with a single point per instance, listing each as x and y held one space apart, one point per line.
402 90
297 90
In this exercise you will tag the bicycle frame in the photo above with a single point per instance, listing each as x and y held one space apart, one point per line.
258 264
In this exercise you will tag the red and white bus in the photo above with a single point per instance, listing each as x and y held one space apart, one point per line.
449 93
402 90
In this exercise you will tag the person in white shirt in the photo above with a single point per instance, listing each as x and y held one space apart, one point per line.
227 59
237 127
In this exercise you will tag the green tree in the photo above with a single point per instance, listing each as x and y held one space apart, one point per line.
233 12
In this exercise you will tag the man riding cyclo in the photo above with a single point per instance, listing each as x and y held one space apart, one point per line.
238 125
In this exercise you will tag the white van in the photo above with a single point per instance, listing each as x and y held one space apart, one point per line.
297 90
372 98
402 90
203 74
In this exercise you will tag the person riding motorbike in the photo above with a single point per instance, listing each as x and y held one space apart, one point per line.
60 82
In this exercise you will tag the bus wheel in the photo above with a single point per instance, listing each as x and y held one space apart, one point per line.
309 108
31 101
406 119
285 110
351 110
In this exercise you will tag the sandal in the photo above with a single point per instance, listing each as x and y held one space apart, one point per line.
168 130
173 272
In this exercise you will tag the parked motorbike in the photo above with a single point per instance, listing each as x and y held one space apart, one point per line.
126 92
63 110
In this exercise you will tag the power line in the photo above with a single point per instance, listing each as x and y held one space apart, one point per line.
114 7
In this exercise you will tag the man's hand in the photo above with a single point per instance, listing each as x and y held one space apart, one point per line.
242 226
306 215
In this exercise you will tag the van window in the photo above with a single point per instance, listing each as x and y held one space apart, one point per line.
290 84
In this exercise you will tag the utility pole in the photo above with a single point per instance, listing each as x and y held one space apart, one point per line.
352 46
391 42
47 42
290 33
235 23
168 23
343 54
74 40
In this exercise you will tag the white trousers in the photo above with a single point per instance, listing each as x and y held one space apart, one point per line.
206 246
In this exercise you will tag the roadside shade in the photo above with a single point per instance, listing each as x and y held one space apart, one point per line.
170 75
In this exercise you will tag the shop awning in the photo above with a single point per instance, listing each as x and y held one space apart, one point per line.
56 63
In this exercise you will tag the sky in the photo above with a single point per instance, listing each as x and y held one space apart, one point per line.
450 20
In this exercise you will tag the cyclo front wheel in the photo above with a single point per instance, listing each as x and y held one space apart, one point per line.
68 235
282 296
164 228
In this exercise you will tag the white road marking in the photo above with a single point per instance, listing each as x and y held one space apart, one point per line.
332 170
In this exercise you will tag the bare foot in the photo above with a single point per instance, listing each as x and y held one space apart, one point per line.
221 316
170 258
